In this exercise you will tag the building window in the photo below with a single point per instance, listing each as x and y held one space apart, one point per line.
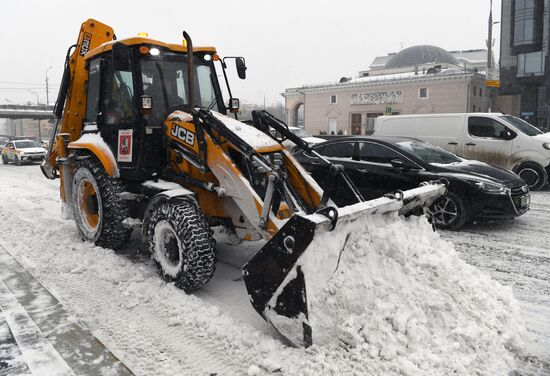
531 64
423 93
333 99
524 22
474 110
474 91
480 91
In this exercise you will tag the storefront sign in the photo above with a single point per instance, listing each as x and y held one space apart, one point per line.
385 97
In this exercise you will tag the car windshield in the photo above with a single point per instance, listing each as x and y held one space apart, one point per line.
428 153
165 80
521 125
300 132
26 144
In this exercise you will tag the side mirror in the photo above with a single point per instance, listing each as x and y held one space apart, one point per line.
234 105
146 104
241 67
401 164
510 135
121 57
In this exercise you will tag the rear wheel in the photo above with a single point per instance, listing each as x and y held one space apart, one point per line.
4 159
532 174
449 212
98 208
182 245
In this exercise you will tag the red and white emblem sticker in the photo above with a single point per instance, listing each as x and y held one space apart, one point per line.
125 145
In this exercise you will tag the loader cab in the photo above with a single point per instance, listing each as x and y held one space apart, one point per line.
133 87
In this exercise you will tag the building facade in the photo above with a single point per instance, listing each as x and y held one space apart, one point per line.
420 79
524 65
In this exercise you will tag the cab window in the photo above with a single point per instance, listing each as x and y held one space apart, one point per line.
117 94
92 101
487 128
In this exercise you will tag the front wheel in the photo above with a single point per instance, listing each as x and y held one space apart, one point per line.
532 174
449 212
17 162
4 159
181 244
98 208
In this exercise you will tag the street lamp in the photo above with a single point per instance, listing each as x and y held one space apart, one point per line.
47 92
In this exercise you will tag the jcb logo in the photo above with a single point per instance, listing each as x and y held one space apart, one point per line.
183 134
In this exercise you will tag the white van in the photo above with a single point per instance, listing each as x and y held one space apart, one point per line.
497 139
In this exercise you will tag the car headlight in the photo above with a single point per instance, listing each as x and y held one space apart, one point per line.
493 188
546 145
21 153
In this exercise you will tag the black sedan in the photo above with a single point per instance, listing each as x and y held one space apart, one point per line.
381 165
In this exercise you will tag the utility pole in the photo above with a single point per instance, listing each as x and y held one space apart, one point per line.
47 91
490 39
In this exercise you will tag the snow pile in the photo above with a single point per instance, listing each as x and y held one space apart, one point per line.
404 300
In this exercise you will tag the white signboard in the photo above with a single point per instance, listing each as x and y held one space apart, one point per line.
384 97
125 145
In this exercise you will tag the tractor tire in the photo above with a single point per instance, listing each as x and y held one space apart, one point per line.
181 244
532 174
5 159
449 212
17 161
98 208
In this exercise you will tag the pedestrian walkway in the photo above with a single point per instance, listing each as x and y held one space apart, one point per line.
39 337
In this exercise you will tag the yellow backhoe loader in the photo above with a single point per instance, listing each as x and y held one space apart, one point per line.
142 135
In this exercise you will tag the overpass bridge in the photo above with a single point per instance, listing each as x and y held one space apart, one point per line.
15 111
26 120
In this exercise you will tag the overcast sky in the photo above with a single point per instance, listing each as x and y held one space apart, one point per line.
285 43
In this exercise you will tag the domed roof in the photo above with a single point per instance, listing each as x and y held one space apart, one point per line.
417 55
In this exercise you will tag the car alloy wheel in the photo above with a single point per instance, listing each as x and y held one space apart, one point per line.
444 211
449 212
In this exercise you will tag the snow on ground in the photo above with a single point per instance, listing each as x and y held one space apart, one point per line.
424 310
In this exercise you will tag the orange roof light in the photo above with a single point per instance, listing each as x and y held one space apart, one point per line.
216 57
144 50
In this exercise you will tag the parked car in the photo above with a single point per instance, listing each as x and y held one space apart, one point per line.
23 151
382 165
311 140
501 140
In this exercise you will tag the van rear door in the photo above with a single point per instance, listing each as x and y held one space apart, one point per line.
488 140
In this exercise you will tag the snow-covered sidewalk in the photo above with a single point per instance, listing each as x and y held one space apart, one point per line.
38 336
414 302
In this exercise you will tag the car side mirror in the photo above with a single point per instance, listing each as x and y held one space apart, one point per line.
509 135
121 57
401 164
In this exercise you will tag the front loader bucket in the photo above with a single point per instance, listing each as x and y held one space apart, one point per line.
303 256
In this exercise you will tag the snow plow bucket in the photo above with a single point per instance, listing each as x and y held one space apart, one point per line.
299 260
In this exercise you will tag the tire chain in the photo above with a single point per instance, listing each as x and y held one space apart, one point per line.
191 226
115 210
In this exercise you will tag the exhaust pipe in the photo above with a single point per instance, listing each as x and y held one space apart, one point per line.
190 70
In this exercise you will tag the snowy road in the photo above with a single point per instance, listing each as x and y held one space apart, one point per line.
156 329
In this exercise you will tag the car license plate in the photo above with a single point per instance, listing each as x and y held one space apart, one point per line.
525 200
